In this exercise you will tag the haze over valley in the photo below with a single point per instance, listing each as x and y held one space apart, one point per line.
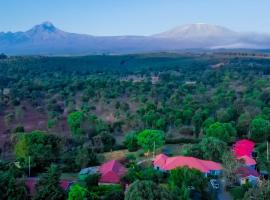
47 39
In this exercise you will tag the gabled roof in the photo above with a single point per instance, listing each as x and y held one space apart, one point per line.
248 161
247 171
111 172
169 163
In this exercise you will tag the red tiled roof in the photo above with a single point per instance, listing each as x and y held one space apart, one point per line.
169 163
247 171
248 161
111 172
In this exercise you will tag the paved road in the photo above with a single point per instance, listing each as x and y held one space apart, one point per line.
223 194
145 160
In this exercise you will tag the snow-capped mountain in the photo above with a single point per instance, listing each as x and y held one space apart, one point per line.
197 31
46 39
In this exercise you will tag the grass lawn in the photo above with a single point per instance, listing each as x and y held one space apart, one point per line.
114 155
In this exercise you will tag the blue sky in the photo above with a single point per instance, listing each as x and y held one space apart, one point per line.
134 17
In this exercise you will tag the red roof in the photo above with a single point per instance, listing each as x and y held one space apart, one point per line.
111 172
243 147
248 161
32 181
247 171
160 160
31 184
169 163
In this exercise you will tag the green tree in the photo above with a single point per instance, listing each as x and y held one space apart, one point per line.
222 131
261 192
131 141
41 147
86 157
193 150
75 120
212 148
208 122
77 192
108 140
230 165
260 129
181 179
197 121
11 188
147 190
148 138
92 181
242 125
48 186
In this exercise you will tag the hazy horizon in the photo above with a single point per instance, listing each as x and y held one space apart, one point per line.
133 18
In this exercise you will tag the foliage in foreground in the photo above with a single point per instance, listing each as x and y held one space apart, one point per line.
147 190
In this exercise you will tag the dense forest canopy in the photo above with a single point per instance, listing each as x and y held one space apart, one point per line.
176 93
67 111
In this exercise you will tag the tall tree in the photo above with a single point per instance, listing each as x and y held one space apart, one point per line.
148 139
230 165
260 129
131 141
212 148
48 186
42 148
222 131
147 190
11 188
75 120
184 178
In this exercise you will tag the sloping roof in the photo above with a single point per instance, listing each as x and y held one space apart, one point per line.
89 170
243 147
160 159
169 163
248 161
32 181
111 172
65 184
247 171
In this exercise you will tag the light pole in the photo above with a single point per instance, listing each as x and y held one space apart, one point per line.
29 168
154 149
267 148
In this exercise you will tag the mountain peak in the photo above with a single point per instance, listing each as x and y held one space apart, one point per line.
47 25
196 30
44 27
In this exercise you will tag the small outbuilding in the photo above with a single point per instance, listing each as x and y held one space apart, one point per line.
111 172
88 171
247 174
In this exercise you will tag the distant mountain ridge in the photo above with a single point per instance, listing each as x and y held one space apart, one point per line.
46 39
